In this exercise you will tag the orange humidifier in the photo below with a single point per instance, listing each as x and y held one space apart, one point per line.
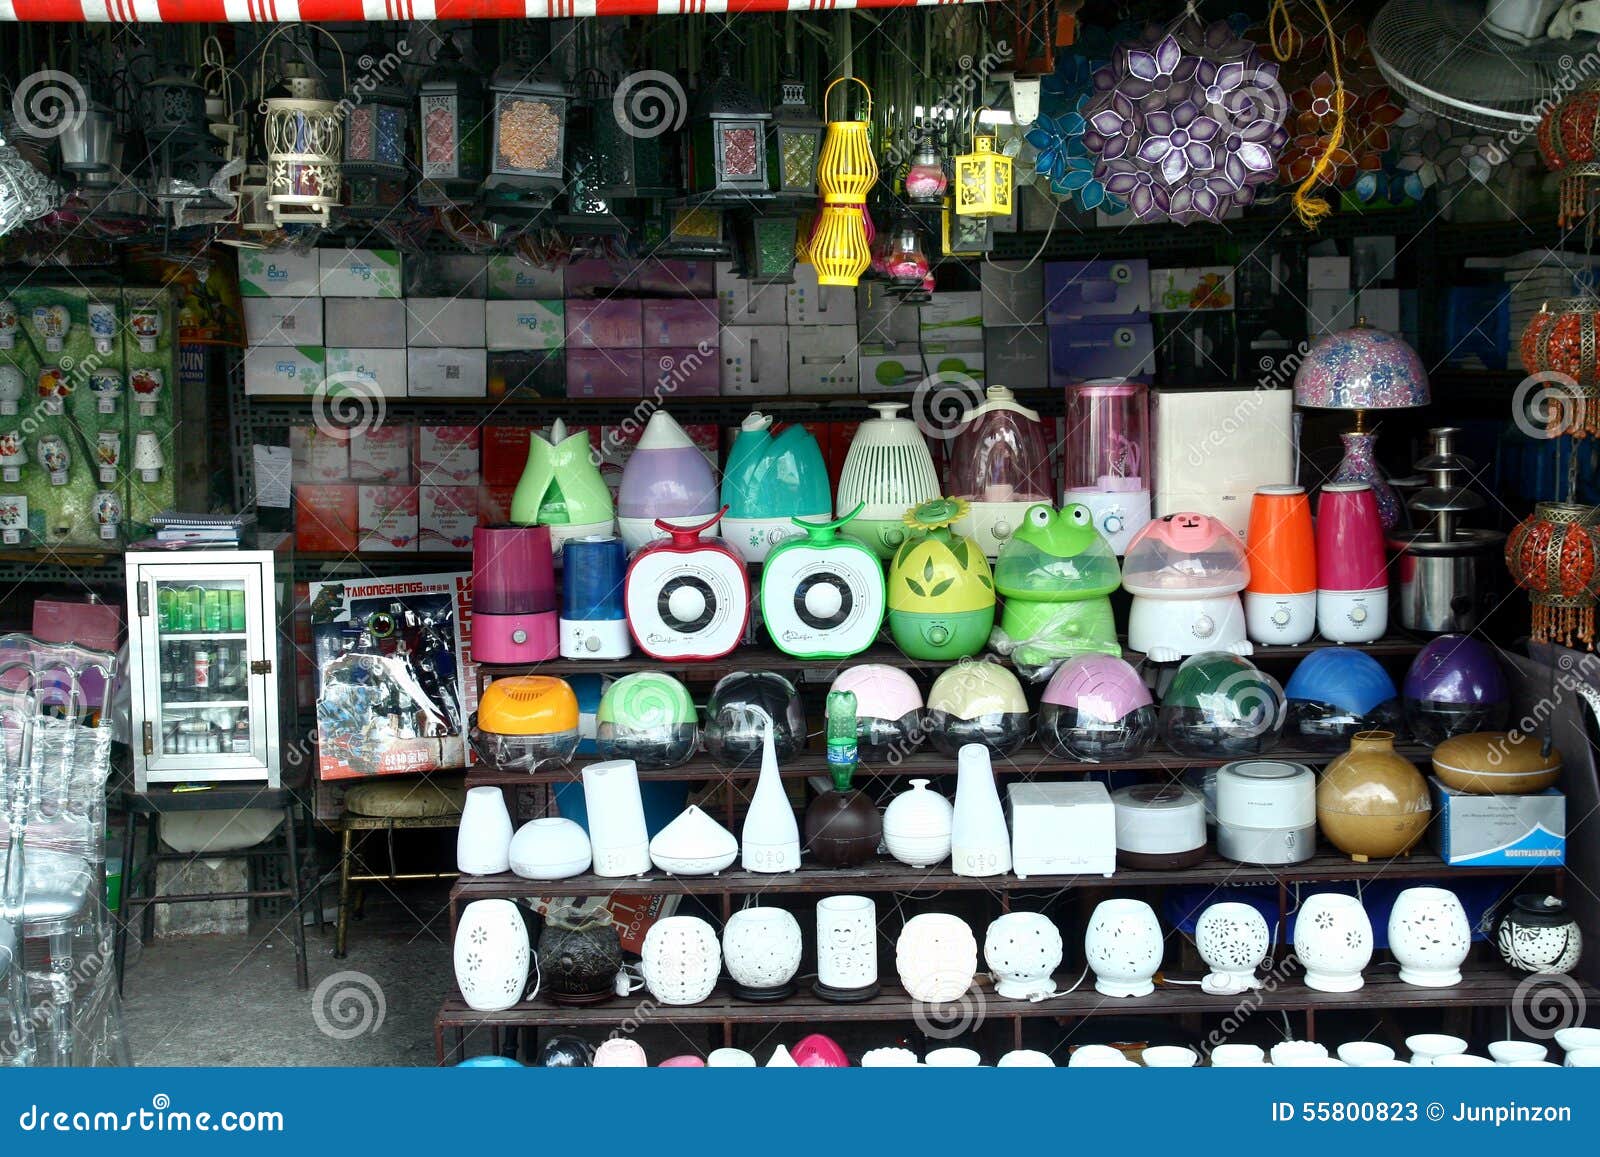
1280 601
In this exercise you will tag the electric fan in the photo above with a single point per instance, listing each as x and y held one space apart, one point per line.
1490 66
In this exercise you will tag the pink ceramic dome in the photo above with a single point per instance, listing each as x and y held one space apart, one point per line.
882 691
1100 685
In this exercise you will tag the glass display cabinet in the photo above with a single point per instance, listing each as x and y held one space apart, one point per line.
210 669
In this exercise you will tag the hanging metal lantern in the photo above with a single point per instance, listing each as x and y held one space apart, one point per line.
841 247
926 181
1554 555
983 186
728 141
86 145
904 262
173 111
376 121
183 186
450 109
764 246
690 232
529 136
633 157
1561 347
1569 143
304 141
794 143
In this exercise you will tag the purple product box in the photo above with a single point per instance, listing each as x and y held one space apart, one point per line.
1101 350
593 277
605 325
1103 290
691 372
605 373
665 277
685 322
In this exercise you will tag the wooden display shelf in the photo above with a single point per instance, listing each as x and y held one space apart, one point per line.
1030 760
1482 985
886 875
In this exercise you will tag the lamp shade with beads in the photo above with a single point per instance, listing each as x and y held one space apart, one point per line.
1569 144
1561 346
1554 555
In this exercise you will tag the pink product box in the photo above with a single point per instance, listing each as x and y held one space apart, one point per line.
664 277
446 517
382 454
605 373
596 278
608 325
318 456
386 518
682 323
685 373
448 455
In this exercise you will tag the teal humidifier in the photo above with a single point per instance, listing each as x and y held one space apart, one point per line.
771 480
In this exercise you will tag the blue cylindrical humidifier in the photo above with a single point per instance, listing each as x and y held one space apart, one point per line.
594 624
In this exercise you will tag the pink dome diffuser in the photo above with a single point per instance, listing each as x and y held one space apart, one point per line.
1097 709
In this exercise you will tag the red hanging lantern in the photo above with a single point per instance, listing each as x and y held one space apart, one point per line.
1553 555
1569 142
1561 345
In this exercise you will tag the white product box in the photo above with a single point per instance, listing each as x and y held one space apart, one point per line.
278 273
1329 310
444 321
367 322
884 317
447 373
360 273
1214 448
525 325
446 516
386 518
742 302
952 317
380 369
1013 292
813 304
888 369
318 456
1062 829
513 279
822 359
1328 273
282 320
755 359
283 369
1381 308
448 455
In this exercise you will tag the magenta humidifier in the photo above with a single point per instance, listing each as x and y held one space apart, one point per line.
514 612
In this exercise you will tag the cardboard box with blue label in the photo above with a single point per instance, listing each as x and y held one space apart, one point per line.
1482 831
283 370
1099 290
1083 351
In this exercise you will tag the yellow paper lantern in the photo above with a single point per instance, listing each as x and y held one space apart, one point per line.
983 186
846 172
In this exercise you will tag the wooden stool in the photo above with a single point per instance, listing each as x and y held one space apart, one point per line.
388 805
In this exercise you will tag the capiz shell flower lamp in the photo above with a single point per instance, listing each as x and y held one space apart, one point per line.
561 488
1362 369
1108 452
513 593
999 467
666 479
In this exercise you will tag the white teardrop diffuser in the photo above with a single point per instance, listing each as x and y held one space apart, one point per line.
694 844
980 845
618 839
771 836
483 841
550 849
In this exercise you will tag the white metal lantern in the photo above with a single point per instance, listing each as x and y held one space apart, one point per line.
761 947
491 955
936 957
1333 939
1429 936
304 143
681 960
1233 939
1123 946
1023 951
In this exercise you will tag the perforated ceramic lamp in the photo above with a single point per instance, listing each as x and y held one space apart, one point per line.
978 703
1185 572
999 467
888 468
1055 574
941 591
1336 692
822 597
667 478
647 717
769 481
561 488
525 721
1097 709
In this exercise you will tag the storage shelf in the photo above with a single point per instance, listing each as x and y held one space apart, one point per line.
1030 760
1482 986
883 875
201 636
201 704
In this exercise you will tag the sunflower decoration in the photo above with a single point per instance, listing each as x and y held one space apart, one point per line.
936 513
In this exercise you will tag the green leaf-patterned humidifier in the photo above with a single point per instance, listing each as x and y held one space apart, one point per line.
941 592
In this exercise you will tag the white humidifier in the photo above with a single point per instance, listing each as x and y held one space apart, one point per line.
889 470
1185 572
1266 811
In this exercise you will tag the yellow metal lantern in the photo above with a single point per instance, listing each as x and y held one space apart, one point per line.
846 172
983 186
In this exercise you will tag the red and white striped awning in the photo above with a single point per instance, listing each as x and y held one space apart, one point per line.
348 11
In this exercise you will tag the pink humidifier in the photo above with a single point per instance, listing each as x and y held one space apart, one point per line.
515 617
1107 452
1352 575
